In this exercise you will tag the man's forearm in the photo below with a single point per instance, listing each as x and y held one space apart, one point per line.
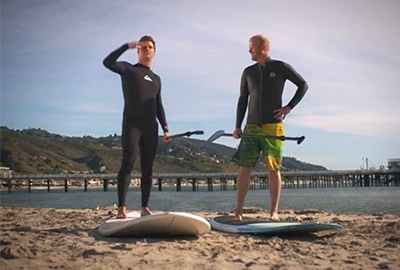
111 59
240 112
301 91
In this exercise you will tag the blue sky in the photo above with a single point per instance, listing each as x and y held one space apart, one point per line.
52 75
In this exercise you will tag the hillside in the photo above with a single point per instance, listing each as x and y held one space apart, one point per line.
38 151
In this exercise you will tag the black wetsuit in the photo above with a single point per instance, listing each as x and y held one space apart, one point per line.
142 96
265 87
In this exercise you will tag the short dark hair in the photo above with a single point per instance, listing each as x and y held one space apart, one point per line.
148 38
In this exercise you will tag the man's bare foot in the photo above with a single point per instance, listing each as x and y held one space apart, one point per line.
121 212
274 216
238 217
145 212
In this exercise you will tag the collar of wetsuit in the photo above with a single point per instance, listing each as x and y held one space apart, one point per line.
142 66
266 63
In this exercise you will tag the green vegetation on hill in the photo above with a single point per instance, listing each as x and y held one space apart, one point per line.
38 151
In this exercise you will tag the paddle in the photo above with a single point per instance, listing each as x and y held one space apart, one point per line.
187 134
221 133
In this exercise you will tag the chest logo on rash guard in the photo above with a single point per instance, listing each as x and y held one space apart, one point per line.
147 78
272 74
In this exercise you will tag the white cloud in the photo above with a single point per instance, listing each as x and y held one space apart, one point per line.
341 120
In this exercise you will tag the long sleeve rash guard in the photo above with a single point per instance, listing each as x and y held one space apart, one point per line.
142 91
265 86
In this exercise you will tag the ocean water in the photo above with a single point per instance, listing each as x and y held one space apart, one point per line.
349 200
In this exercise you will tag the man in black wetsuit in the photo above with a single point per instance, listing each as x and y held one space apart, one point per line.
142 95
261 93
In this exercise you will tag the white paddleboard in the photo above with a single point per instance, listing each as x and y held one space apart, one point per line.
257 226
171 223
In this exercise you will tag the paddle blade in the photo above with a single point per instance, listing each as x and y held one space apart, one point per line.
216 135
301 139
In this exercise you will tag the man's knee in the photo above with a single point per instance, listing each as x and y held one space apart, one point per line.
128 163
244 169
274 174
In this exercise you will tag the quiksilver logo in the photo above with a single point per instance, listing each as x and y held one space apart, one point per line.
147 78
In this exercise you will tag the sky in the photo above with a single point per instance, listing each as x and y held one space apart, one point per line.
52 76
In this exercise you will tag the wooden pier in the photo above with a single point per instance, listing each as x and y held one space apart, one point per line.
225 181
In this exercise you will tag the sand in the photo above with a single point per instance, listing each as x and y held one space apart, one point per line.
68 239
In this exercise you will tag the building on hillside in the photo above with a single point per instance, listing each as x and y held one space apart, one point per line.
394 164
5 172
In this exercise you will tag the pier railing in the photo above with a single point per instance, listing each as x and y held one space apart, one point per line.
297 179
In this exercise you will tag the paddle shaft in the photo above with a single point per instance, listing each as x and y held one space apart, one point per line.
188 134
282 138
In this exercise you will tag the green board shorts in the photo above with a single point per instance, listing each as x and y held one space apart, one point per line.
250 148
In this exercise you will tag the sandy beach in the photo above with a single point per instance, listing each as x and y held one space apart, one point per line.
68 239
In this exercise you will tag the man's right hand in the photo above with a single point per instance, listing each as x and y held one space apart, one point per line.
237 133
133 44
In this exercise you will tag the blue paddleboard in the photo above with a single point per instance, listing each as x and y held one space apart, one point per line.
257 226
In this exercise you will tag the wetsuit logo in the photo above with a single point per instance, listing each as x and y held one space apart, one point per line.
272 75
147 78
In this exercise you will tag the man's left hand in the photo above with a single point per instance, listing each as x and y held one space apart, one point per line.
166 137
281 113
